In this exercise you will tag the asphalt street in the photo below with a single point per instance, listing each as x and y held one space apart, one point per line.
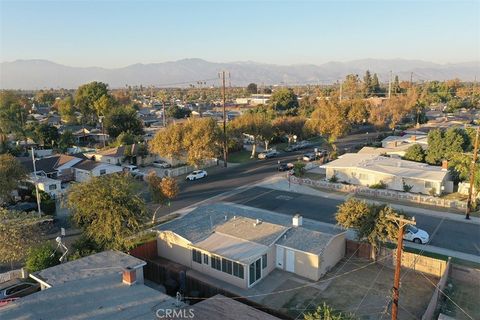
454 235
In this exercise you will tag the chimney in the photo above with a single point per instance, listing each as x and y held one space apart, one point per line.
129 276
297 220
413 138
444 165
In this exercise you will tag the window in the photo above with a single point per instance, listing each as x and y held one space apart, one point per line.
264 261
205 258
238 270
215 263
17 289
196 256
227 266
255 271
103 171
52 187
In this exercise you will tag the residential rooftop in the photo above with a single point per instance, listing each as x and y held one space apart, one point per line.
390 166
106 262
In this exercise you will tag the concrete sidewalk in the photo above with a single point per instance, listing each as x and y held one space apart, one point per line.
279 182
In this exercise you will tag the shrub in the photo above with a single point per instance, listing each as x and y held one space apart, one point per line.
432 192
379 185
42 257
333 179
299 169
407 187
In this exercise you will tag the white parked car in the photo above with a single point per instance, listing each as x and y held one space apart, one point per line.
268 154
416 235
161 164
130 168
197 174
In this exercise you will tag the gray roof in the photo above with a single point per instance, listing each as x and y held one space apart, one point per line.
97 297
87 165
106 262
231 247
204 221
305 240
222 308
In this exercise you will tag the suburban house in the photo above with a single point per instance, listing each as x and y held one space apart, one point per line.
242 245
370 169
58 166
112 155
106 285
51 186
86 169
405 140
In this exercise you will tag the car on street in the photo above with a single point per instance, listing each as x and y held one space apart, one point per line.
17 288
416 235
197 174
268 154
161 164
291 148
285 166
309 157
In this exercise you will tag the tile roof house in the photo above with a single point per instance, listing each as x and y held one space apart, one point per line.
369 169
106 285
242 245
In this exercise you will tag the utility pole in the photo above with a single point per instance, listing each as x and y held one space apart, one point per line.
472 176
390 86
225 142
411 79
401 222
341 90
36 183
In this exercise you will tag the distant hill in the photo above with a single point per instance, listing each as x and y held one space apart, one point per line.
39 74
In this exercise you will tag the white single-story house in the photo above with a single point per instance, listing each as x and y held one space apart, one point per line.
242 245
408 139
112 156
86 169
51 186
370 169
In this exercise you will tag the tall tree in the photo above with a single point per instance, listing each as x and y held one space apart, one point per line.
123 119
107 208
375 85
255 124
11 172
436 147
163 190
290 127
284 100
415 153
47 135
85 97
367 84
104 105
329 119
252 88
67 110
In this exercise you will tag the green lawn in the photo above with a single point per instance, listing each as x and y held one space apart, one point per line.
240 157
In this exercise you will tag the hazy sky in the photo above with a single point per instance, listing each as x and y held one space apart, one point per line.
119 33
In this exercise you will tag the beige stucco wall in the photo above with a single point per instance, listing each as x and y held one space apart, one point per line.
333 253
306 264
173 247
393 182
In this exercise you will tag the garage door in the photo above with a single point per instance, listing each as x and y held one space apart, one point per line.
290 265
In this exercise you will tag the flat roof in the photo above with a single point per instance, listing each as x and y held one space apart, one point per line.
106 262
220 307
231 247
96 297
305 240
386 165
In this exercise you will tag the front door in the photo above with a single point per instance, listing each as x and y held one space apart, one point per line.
279 259
290 264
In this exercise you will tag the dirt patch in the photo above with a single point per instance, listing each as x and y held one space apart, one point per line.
365 292
465 295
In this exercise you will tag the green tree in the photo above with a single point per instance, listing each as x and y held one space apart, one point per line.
66 110
47 135
11 172
107 208
375 89
367 84
325 312
104 104
290 127
41 257
284 100
454 140
415 153
18 232
370 221
123 120
169 142
177 112
85 97
256 124
13 116
45 97
163 190
66 140
436 147
201 140
252 88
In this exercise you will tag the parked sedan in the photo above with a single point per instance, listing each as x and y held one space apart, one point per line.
268 154
197 174
161 164
309 156
416 235
17 288
285 166
291 148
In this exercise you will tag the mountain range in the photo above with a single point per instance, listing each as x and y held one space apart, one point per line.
40 74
